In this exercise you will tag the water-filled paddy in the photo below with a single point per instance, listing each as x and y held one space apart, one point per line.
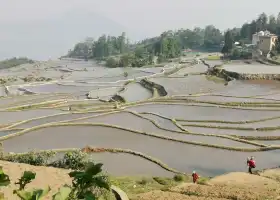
232 132
196 69
233 99
177 155
131 95
267 123
56 118
15 116
252 69
204 113
133 122
188 85
128 165
55 88
251 88
15 100
103 92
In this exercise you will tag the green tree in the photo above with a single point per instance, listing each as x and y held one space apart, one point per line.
262 22
112 62
212 36
236 54
228 43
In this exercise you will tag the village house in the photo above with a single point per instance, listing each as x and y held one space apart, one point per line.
264 41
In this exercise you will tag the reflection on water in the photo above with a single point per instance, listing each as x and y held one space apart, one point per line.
136 92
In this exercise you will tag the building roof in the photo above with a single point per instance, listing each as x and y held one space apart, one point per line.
265 34
268 36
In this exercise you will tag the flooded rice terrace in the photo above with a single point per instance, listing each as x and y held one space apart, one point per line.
201 124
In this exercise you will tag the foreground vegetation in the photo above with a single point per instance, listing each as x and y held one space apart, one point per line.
88 180
87 184
231 186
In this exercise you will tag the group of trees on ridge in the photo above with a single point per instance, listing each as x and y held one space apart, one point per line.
119 52
244 34
12 62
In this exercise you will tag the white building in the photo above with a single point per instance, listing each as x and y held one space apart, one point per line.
256 37
264 41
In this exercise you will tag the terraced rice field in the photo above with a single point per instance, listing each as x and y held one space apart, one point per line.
199 125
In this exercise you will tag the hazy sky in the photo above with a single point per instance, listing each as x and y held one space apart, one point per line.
48 28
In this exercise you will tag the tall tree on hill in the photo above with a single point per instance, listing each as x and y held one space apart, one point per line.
122 43
262 22
228 43
278 19
272 24
212 36
253 28
246 33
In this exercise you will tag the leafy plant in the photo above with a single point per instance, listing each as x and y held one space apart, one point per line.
87 185
76 160
26 178
4 178
84 182
33 194
125 74
63 193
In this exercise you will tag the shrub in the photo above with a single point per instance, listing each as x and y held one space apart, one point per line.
179 178
72 160
32 158
112 62
162 181
190 193
144 181
125 74
202 181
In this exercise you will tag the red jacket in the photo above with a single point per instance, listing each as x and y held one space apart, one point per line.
195 176
252 163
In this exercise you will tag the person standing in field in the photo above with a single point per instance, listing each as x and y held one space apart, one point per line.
195 177
251 164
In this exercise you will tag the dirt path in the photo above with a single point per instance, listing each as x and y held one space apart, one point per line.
45 176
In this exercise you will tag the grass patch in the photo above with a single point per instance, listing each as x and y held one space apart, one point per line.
137 185
179 178
12 62
164 181
203 180
213 57
190 193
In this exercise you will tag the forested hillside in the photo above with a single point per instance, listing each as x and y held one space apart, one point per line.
119 52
